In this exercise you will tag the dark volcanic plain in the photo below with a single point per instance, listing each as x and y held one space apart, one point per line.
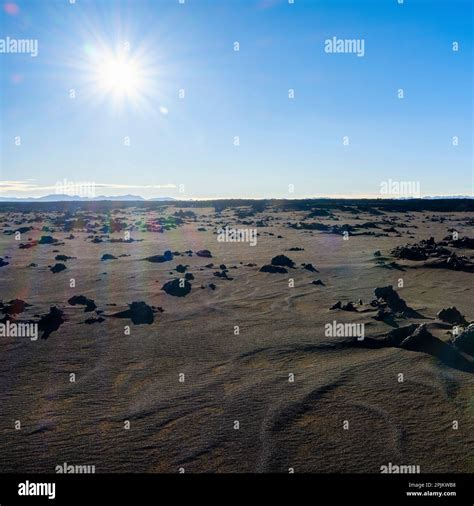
102 280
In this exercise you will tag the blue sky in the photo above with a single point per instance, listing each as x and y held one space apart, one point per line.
190 141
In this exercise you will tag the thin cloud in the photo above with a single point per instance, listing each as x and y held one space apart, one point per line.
27 186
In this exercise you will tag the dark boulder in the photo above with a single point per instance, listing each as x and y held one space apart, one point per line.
465 340
349 307
82 300
411 337
47 239
177 287
90 321
392 299
62 258
15 306
139 312
450 315
58 268
50 322
282 261
166 257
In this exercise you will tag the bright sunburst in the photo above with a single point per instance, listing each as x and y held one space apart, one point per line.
122 77
118 76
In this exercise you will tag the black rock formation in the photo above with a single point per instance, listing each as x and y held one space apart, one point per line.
177 287
58 268
451 315
465 340
139 312
15 306
50 322
82 300
392 299
282 261
411 337
166 257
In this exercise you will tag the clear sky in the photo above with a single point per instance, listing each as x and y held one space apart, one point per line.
126 128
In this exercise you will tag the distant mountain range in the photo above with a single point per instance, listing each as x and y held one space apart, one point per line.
137 198
440 198
75 198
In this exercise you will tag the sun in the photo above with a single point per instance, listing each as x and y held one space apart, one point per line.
123 77
119 76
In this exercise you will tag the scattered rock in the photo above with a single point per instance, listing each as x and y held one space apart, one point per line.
421 251
139 312
90 321
15 306
465 340
50 322
58 268
453 262
465 242
177 287
450 315
282 261
166 257
412 337
108 256
82 300
204 253
62 258
392 299
47 239
349 307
